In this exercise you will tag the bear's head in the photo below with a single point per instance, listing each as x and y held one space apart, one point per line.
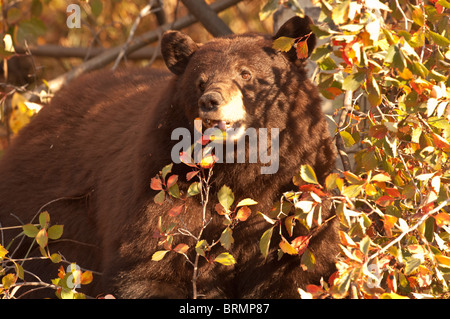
236 82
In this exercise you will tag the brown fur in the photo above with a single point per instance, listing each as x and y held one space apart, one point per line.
89 157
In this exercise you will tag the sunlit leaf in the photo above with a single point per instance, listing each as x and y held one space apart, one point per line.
181 248
55 231
287 248
264 242
226 197
243 213
30 230
308 175
283 44
308 261
194 189
42 238
226 239
225 259
159 255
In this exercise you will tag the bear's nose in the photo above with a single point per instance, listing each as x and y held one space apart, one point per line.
210 101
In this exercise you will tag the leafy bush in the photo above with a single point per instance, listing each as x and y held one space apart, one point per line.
393 206
12 269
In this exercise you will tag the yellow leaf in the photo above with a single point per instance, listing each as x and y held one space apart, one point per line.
443 261
442 219
392 296
283 44
287 248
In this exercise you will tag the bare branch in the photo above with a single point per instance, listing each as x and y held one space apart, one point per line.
207 17
339 142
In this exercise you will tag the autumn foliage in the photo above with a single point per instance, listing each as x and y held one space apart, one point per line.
385 66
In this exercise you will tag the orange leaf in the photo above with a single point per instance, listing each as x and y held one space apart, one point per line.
302 50
175 211
442 219
301 243
243 213
181 248
156 184
172 180
287 248
208 161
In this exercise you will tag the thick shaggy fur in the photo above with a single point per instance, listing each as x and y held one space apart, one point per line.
88 158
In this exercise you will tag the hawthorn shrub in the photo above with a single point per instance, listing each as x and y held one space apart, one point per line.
394 204
12 269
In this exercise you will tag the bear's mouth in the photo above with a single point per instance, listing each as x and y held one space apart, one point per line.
229 130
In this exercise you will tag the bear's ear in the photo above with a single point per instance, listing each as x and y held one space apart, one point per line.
177 48
297 27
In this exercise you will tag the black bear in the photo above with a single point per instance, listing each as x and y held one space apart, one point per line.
88 158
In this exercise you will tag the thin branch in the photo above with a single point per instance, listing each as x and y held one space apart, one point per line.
144 12
413 228
139 42
207 17
339 142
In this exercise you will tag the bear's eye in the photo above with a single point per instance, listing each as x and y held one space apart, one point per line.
202 85
246 75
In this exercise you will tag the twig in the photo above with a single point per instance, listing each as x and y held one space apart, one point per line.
204 193
400 237
144 12
339 142
139 42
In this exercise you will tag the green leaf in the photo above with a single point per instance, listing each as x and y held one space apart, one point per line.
225 259
55 231
264 242
96 7
194 189
30 230
308 261
347 138
159 255
201 246
439 39
411 265
353 81
160 197
8 281
226 239
246 202
283 44
174 191
30 30
166 170
270 7
340 13
226 197
352 191
44 219
308 175
55 258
